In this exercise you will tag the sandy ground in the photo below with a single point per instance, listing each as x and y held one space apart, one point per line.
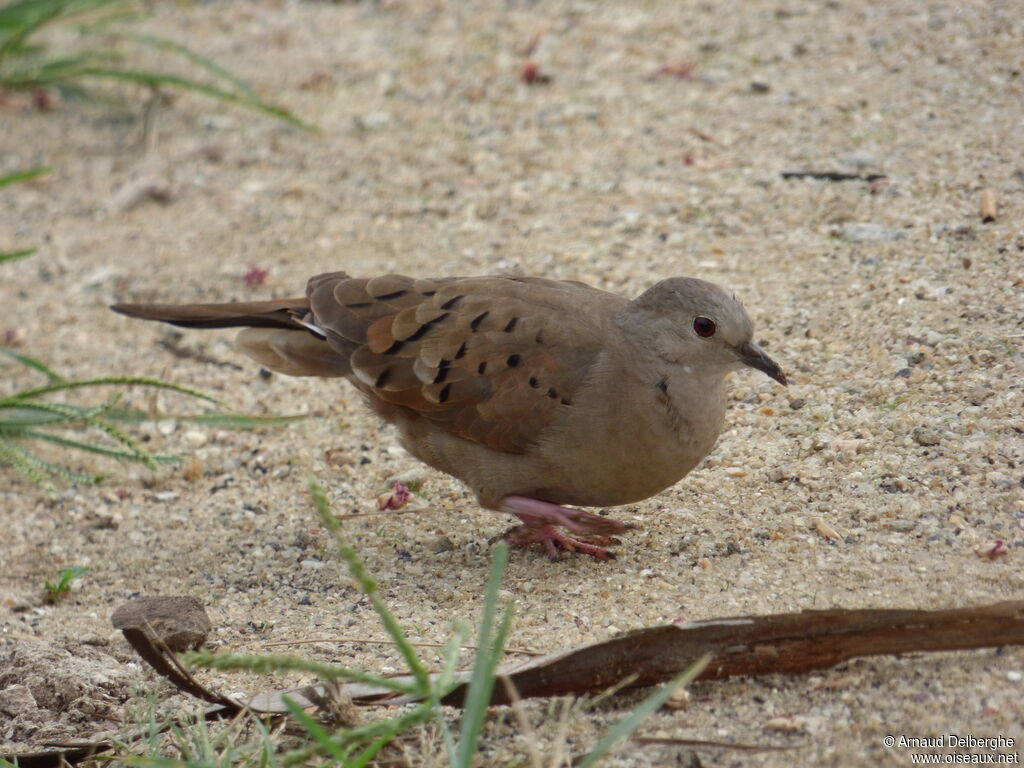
896 311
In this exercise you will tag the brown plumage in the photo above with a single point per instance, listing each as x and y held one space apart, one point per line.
535 392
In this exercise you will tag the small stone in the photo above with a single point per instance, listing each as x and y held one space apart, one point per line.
925 436
165 495
443 544
787 724
797 403
902 526
312 563
16 700
1014 676
735 472
859 160
195 438
337 457
679 700
866 231
180 623
759 86
850 447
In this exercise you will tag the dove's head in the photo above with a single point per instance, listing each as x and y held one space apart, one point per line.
696 323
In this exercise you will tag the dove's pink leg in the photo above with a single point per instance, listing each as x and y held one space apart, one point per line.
539 521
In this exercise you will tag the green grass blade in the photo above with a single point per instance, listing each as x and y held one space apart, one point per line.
625 727
32 173
10 454
39 471
55 71
369 587
238 420
24 18
365 733
170 46
14 255
156 79
32 363
98 449
278 663
316 731
364 757
125 381
489 648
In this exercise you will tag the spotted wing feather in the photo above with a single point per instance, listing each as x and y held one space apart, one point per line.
487 359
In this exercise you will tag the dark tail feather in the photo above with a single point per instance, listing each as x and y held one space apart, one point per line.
276 313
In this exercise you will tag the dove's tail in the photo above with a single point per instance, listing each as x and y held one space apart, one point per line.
278 334
275 313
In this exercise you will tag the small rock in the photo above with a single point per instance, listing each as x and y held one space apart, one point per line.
312 563
787 724
16 700
443 544
850 447
180 623
925 436
337 457
165 495
797 403
902 526
866 231
1014 676
760 86
195 438
859 160
678 700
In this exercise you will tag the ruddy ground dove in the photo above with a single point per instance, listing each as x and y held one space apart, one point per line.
536 393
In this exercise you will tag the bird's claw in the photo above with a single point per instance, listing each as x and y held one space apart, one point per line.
554 541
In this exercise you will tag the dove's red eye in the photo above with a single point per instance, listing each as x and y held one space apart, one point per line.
704 326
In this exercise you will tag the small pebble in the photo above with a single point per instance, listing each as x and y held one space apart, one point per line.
787 724
865 231
925 436
195 438
902 526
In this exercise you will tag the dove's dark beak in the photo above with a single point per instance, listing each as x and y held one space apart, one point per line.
752 355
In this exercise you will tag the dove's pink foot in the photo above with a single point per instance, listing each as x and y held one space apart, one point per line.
539 521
